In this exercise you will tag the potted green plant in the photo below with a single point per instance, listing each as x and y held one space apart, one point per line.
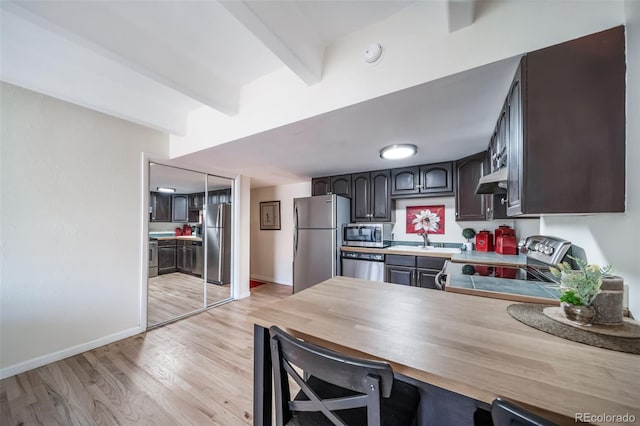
579 288
468 233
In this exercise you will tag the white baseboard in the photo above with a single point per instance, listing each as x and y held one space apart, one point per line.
243 295
258 277
30 364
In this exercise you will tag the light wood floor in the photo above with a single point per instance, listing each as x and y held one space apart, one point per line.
175 294
197 371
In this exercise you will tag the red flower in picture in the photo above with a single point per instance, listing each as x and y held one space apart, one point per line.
429 219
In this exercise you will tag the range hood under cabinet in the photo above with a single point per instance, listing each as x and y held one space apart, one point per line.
493 183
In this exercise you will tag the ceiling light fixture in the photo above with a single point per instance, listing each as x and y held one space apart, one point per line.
166 189
397 152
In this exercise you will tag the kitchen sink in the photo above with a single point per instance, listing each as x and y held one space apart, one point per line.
431 249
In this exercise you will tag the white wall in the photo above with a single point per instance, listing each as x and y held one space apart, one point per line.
418 48
242 211
71 228
272 251
613 238
453 229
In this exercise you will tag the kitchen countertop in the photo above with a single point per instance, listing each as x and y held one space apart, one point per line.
404 250
503 288
489 258
182 237
468 345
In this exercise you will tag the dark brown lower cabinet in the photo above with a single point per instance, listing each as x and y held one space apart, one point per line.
415 271
399 274
426 278
167 259
427 269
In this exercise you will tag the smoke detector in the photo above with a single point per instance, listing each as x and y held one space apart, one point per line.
373 53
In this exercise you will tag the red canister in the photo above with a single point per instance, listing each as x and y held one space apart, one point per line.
484 241
504 230
504 272
506 244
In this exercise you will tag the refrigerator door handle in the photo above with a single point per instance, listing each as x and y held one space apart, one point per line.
295 231
334 270
220 274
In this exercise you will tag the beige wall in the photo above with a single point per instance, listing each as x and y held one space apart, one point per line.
71 228
272 251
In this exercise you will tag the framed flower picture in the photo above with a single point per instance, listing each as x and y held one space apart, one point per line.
429 219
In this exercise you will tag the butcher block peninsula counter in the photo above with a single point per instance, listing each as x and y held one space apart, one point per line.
464 344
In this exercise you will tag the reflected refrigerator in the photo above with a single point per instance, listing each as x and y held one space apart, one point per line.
218 242
317 238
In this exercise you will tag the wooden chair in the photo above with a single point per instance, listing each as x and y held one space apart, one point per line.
504 413
337 389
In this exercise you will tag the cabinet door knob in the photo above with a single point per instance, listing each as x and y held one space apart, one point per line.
503 201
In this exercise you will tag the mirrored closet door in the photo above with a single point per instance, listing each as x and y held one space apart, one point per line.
190 220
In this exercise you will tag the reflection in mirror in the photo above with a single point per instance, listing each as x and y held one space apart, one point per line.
218 223
176 268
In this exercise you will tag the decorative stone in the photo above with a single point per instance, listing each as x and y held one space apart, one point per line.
608 304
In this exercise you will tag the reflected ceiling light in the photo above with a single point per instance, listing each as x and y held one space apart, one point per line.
166 189
397 152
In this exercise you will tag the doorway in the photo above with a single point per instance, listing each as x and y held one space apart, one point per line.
190 242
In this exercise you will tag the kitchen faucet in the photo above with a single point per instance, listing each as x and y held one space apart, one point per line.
425 237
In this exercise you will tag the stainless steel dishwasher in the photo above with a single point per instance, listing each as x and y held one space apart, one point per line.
197 262
367 266
153 258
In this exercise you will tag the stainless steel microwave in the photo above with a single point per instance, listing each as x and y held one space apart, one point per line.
367 234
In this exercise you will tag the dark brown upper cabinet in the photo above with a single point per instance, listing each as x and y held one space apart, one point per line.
160 207
405 181
196 201
566 128
472 206
437 179
370 196
224 196
321 186
341 185
180 208
424 181
469 205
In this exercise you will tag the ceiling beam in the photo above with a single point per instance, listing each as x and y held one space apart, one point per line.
285 31
201 85
460 14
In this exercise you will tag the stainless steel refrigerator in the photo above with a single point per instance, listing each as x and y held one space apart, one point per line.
218 242
317 238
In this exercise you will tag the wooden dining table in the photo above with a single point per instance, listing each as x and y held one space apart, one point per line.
465 344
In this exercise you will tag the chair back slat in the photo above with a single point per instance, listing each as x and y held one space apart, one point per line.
341 370
371 379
